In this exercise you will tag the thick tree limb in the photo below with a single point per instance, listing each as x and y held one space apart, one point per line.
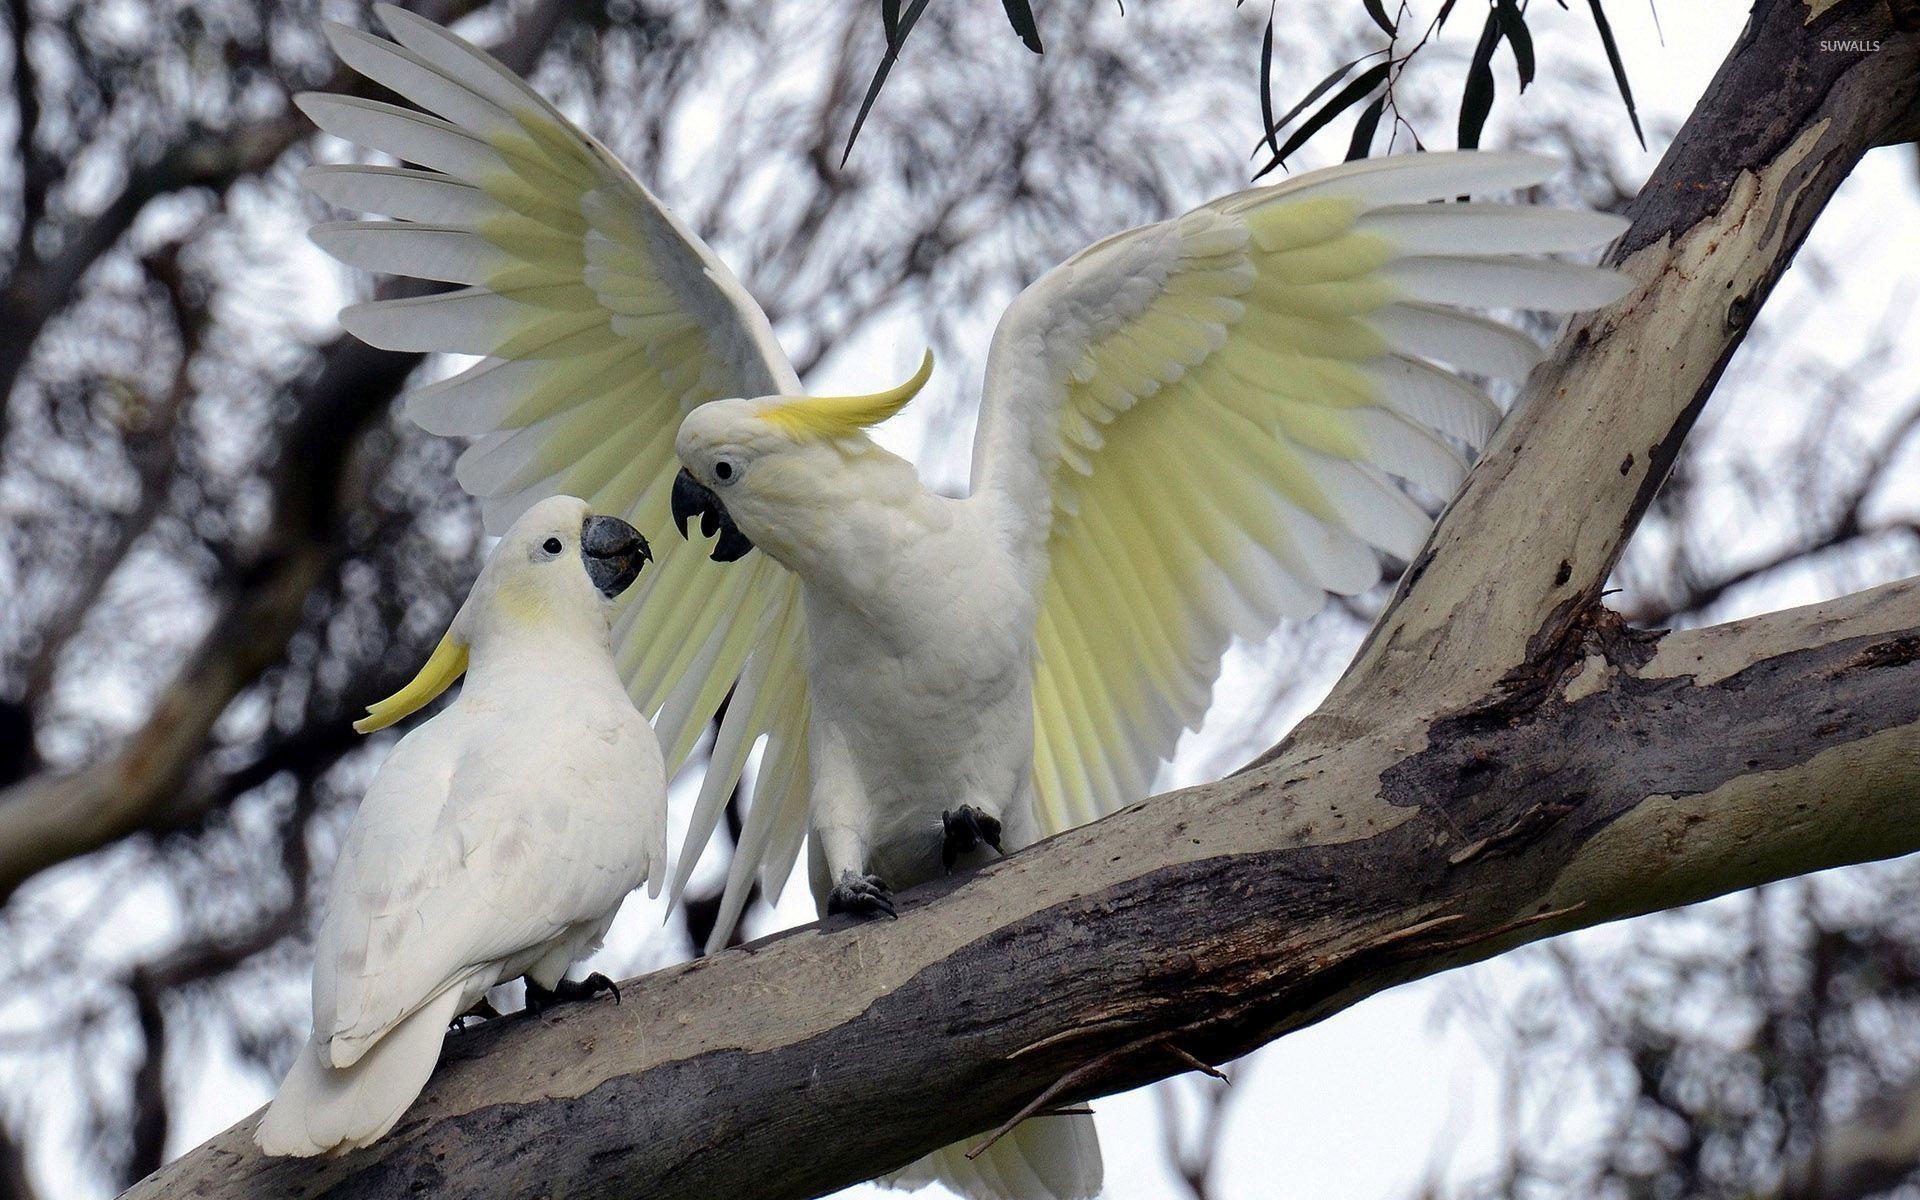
1505 760
1207 921
1777 131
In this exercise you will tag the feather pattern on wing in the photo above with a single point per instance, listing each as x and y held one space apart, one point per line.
1199 428
601 321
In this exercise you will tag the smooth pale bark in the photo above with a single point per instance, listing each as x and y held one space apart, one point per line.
1505 760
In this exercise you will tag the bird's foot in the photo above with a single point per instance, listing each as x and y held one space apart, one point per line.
967 829
483 1011
540 999
861 895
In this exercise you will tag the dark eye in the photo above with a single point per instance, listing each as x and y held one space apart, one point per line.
723 470
551 545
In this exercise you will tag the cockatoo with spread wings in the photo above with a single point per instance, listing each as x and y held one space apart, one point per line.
1190 432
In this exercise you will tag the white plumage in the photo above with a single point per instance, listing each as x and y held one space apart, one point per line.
1190 432
497 840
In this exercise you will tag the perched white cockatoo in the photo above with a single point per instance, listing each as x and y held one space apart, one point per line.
1189 432
497 840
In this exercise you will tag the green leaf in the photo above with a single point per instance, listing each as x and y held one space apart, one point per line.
1513 24
1619 67
1477 100
1362 85
1378 11
896 39
1364 127
1020 15
1266 86
1318 90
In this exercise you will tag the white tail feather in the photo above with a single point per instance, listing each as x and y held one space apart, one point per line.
1042 1158
320 1110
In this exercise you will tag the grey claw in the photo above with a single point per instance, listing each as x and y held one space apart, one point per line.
861 895
540 999
966 829
483 1011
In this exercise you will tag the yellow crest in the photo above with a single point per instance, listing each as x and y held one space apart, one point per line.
832 417
448 663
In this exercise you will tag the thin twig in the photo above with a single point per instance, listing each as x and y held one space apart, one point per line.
1198 1064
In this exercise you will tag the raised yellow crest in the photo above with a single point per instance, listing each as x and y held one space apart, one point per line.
830 417
448 663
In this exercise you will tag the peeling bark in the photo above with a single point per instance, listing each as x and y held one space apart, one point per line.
1504 761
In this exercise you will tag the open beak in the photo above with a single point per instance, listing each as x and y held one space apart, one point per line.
614 552
691 498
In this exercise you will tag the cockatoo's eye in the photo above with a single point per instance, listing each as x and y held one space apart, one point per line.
724 471
551 545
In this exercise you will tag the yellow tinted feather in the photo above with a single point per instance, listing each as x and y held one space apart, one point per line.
832 417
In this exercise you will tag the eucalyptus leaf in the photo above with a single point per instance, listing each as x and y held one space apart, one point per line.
1020 15
1513 26
1364 128
1476 101
1361 86
1619 67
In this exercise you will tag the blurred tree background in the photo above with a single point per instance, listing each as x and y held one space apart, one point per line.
218 540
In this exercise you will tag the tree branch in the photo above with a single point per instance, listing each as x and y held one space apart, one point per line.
1506 760
1778 130
26 108
1209 920
147 784
199 158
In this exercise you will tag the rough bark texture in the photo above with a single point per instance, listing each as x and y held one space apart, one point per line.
1505 760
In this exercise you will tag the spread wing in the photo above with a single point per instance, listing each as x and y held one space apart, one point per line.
602 321
1205 420
472 847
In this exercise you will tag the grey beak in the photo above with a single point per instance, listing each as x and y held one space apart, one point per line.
691 498
614 552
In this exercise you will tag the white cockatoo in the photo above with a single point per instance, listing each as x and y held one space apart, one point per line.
497 840
1189 432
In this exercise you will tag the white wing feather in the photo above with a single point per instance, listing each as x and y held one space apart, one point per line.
602 321
1199 425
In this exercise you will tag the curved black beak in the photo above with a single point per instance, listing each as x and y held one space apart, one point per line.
614 552
691 498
